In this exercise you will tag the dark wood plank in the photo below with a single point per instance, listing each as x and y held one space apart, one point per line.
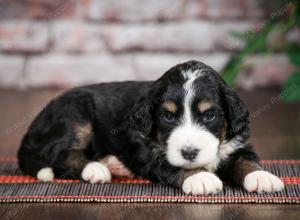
148 211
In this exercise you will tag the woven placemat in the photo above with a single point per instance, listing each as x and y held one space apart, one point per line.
16 187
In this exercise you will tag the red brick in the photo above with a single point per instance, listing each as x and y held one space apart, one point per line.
77 37
152 66
44 9
12 9
11 70
51 9
132 10
153 10
187 36
24 36
71 70
74 70
263 71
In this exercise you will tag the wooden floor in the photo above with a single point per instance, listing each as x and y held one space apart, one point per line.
275 133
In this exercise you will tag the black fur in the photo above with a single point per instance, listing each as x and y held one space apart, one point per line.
125 118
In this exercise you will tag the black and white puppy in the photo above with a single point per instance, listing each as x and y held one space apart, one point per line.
188 129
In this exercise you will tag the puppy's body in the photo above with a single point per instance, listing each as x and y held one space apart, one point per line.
82 113
184 129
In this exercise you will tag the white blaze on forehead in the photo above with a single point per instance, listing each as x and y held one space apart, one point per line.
188 86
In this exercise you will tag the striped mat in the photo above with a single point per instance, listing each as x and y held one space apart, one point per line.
16 187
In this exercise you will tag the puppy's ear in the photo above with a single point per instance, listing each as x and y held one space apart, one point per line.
140 117
237 115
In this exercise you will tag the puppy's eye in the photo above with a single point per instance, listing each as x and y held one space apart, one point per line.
209 116
169 117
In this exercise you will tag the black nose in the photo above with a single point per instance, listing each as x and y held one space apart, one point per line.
189 153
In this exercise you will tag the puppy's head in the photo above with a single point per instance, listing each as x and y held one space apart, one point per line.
189 113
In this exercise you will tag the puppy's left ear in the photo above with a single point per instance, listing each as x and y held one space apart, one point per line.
237 115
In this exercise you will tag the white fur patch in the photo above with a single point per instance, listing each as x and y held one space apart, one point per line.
95 172
189 93
202 183
262 181
46 174
228 147
190 134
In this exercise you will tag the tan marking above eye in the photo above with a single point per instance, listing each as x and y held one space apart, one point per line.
205 105
170 106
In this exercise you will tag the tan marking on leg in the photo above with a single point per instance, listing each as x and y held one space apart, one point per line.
170 106
205 105
83 134
244 167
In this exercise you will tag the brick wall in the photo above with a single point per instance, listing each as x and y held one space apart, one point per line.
71 42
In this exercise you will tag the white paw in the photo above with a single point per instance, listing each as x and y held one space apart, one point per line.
95 172
262 181
46 174
202 183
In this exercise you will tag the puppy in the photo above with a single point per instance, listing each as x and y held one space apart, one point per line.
188 129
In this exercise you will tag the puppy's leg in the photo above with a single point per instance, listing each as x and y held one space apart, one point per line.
71 161
243 168
77 166
90 171
56 142
254 179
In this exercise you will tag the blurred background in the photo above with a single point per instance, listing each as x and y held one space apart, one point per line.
48 46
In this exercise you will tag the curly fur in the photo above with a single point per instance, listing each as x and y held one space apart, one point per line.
126 119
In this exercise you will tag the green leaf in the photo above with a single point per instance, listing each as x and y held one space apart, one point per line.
236 35
294 54
235 64
256 42
232 69
291 88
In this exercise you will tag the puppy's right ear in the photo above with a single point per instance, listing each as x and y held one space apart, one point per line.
140 116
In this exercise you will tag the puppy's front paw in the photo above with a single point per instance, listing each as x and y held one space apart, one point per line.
202 183
95 172
262 181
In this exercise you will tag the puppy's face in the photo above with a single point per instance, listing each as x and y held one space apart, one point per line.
190 120
194 118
